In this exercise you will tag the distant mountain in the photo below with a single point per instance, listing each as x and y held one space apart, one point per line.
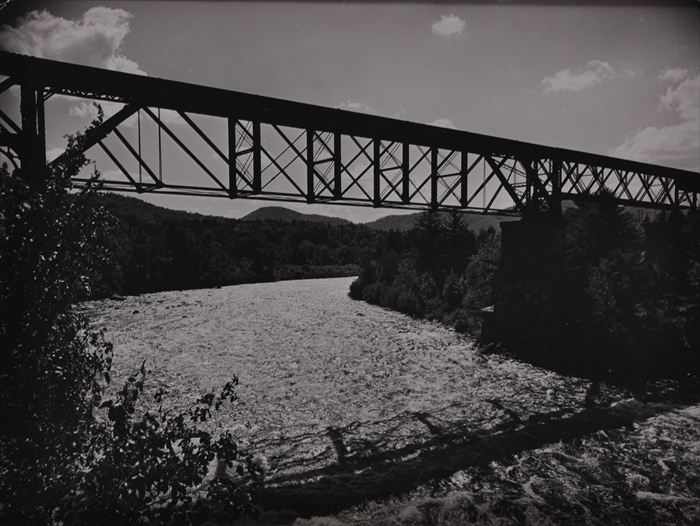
402 223
279 213
128 207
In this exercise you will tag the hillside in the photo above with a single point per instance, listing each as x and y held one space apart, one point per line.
279 213
400 222
406 222
132 208
136 208
155 248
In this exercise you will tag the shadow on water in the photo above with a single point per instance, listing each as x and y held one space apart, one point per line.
371 472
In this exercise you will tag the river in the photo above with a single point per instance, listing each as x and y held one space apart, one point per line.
382 404
310 359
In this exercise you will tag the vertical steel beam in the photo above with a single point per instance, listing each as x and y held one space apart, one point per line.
32 149
28 113
257 166
41 127
309 166
676 195
555 202
337 167
463 179
405 174
531 202
377 197
433 177
232 158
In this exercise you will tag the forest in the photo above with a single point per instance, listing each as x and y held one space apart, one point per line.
610 296
156 249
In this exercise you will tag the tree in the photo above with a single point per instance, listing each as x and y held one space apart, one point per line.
67 455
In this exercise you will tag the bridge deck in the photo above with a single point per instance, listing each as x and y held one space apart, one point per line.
279 149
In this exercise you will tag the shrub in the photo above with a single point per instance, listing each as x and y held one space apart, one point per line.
372 292
480 274
408 302
356 288
389 296
452 291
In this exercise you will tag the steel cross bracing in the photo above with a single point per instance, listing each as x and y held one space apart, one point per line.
265 148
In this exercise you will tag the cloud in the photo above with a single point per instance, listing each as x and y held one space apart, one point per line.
449 25
359 107
684 98
94 40
87 111
52 153
444 123
84 110
594 72
678 143
673 74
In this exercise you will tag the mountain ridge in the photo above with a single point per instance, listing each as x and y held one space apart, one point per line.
400 222
134 207
280 213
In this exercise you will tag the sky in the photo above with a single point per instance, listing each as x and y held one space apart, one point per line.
615 79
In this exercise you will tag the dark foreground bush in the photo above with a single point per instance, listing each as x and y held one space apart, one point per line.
67 454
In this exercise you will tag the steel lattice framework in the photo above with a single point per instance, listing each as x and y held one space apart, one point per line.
283 150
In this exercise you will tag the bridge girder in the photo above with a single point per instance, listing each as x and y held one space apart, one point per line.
284 150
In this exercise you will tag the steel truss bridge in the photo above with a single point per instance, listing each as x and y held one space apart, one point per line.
268 148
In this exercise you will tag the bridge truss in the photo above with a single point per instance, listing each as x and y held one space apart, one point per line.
265 148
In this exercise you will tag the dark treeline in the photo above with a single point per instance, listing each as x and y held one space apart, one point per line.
601 293
608 296
438 270
159 249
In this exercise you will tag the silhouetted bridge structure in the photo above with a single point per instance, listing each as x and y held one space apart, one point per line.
268 148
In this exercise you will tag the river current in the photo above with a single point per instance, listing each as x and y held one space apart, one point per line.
316 365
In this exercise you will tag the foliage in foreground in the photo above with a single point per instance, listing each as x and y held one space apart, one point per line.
68 454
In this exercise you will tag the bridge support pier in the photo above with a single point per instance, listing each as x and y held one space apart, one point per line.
527 314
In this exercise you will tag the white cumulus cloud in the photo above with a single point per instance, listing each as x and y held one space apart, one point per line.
678 143
449 25
95 39
444 123
358 107
594 72
52 153
673 74
684 98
